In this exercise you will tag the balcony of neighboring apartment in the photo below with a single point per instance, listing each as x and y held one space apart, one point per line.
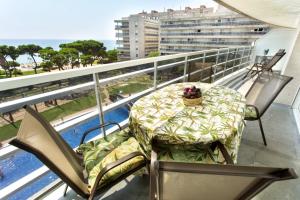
225 25
124 26
213 42
123 41
255 33
122 34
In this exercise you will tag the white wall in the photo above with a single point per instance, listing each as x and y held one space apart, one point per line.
275 39
293 69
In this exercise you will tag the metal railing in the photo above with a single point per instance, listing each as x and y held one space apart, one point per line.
176 25
202 42
209 65
215 33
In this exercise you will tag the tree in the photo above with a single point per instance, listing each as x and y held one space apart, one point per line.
153 54
47 53
91 48
3 56
86 59
47 65
60 60
72 55
12 67
112 55
32 50
13 53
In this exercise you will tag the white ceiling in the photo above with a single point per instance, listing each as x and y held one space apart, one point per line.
284 13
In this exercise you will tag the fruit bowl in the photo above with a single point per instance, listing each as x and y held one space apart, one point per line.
192 96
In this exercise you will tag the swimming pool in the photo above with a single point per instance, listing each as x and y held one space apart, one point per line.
21 163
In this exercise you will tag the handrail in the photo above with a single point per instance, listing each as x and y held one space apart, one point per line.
17 82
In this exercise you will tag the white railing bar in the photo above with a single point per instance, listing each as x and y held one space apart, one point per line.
185 68
11 83
19 103
195 59
99 101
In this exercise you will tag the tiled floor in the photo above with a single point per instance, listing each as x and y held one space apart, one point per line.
283 150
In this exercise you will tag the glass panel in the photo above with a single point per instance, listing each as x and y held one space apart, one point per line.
222 57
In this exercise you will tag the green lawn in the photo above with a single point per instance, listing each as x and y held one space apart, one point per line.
134 85
24 73
9 131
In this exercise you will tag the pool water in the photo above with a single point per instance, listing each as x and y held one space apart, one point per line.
22 163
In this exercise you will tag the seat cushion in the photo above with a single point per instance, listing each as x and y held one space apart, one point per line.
129 146
250 112
94 151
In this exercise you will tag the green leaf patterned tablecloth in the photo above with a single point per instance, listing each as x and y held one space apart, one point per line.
185 129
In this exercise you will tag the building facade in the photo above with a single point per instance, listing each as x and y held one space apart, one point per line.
196 30
179 31
137 35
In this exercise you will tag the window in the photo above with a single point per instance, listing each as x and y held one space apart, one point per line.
199 30
136 55
137 49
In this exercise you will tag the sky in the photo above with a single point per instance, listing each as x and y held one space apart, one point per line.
75 19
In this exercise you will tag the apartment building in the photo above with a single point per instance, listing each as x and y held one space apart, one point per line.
137 35
194 30
187 30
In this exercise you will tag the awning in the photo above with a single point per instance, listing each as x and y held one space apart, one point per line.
285 13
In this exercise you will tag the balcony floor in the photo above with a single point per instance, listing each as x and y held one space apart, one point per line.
283 150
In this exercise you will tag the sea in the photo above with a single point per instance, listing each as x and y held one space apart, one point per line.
54 43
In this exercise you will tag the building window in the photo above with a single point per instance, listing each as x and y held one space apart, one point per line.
137 49
199 30
136 55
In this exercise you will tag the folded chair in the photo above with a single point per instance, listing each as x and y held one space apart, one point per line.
261 95
193 181
90 173
266 66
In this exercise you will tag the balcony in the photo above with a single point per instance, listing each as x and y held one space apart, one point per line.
214 24
198 43
83 88
92 91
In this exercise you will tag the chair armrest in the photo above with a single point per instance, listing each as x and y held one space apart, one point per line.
97 127
256 110
113 165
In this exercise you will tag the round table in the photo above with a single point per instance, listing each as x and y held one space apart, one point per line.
162 115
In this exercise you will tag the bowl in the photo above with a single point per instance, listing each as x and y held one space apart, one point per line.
192 102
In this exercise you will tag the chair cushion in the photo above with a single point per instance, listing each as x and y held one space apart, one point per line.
125 148
250 112
94 151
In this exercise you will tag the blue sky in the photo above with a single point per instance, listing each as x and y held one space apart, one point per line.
75 19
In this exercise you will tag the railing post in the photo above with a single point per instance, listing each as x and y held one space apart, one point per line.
243 53
216 64
185 68
226 62
99 101
155 75
203 62
236 52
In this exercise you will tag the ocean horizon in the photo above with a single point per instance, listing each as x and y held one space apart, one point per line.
54 43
